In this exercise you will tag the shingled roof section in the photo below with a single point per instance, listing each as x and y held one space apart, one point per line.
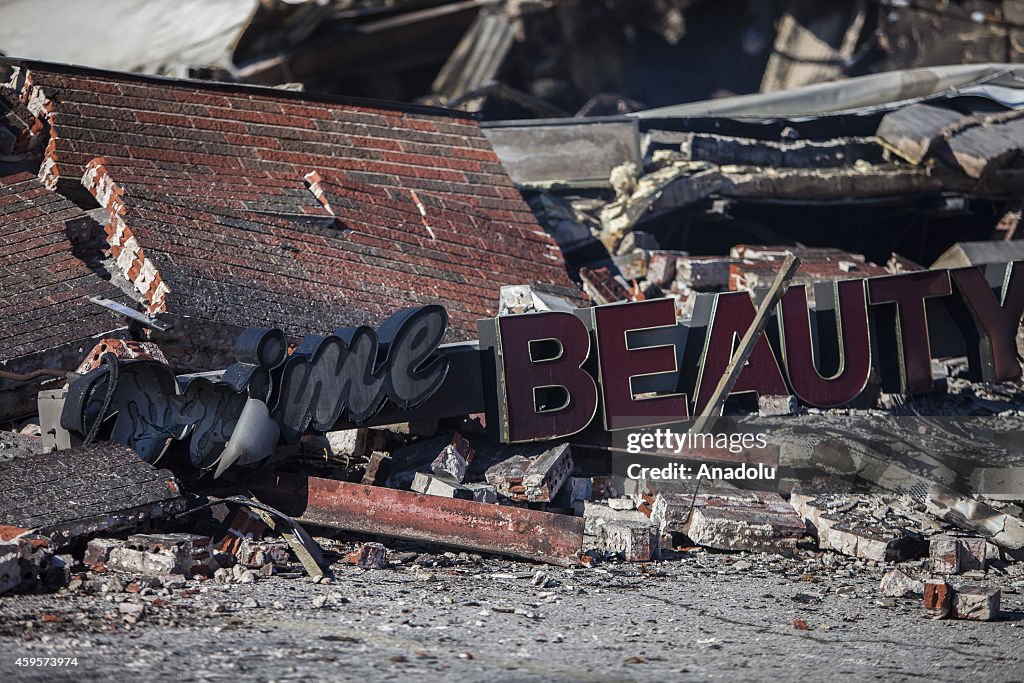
46 288
253 206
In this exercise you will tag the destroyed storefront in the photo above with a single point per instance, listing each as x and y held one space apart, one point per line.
234 313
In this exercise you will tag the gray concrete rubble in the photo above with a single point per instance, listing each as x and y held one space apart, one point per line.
152 554
28 564
743 520
869 527
951 554
453 460
897 583
634 541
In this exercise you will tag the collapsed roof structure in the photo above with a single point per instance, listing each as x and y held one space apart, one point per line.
906 163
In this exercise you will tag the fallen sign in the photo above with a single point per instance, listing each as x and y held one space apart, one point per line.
483 527
546 376
547 387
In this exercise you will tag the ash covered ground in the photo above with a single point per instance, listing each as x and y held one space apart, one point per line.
439 616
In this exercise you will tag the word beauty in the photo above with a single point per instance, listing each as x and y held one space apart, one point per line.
637 367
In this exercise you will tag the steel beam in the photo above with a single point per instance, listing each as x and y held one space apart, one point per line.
484 527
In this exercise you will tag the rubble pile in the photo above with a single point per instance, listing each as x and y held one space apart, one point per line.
937 550
206 381
524 58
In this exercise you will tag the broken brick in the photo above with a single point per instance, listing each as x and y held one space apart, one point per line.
369 556
938 597
532 478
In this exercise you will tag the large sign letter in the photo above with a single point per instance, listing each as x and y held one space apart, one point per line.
619 363
854 341
989 323
543 391
731 316
901 327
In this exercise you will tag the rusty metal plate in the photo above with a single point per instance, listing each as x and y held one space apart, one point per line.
484 527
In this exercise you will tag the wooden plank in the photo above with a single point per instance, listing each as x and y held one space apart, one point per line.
981 149
913 132
746 345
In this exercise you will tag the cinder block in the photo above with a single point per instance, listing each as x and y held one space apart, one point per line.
978 604
634 541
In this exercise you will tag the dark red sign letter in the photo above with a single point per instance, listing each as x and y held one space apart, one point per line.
990 323
732 315
544 392
902 330
619 363
854 346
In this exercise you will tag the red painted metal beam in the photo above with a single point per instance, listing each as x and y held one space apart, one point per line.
484 527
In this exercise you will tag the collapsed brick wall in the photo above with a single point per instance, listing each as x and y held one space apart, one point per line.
45 287
210 193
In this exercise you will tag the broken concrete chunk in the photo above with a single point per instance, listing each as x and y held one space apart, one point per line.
957 554
10 566
978 604
859 526
516 299
744 520
27 564
773 406
896 583
534 478
97 552
1004 530
623 503
481 491
633 541
157 554
579 489
439 486
416 457
454 459
671 511
596 515
349 443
